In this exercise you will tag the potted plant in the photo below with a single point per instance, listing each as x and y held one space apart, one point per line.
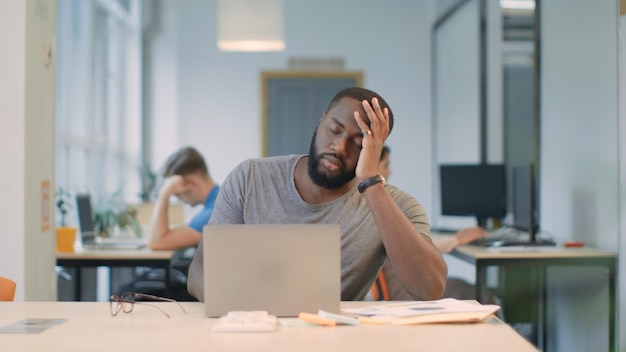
115 218
148 194
65 235
148 184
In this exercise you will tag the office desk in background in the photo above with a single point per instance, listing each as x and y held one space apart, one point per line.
113 258
538 259
91 327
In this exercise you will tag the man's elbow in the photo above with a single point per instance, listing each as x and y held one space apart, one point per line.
433 291
162 243
432 288
157 246
437 289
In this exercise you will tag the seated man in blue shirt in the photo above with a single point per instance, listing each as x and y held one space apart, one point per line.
186 177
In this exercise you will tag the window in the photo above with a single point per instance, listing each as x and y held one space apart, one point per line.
98 110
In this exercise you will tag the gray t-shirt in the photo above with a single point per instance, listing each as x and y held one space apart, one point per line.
263 191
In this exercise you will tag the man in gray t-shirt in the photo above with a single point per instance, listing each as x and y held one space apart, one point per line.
338 183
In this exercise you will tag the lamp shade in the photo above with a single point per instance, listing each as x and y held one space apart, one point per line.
250 25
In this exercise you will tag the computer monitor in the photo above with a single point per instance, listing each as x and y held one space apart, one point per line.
473 190
525 213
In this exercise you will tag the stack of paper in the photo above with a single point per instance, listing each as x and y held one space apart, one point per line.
447 310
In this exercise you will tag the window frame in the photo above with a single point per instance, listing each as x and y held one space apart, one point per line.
98 112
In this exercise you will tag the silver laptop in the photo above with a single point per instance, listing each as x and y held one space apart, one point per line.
89 238
283 269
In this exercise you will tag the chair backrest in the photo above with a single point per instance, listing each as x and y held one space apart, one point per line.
7 289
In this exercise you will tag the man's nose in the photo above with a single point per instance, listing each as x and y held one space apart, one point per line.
340 146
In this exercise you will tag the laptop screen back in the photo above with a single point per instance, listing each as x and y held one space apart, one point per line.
85 219
283 269
85 214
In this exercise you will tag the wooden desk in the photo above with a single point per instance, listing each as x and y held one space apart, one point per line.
113 258
91 327
539 258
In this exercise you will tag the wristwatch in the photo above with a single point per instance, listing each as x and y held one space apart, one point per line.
370 182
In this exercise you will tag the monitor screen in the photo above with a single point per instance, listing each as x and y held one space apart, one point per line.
473 190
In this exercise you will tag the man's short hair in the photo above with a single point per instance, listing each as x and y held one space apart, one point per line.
361 94
185 161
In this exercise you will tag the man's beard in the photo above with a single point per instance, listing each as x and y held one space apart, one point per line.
322 179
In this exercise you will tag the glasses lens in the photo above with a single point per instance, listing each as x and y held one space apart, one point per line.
114 304
127 301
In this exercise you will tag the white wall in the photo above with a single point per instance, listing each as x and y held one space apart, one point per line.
39 151
12 66
219 93
622 181
579 158
27 148
164 89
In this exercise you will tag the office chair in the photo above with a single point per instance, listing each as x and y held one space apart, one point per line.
455 288
153 281
379 290
7 289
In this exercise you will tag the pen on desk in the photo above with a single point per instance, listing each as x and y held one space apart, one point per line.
316 319
368 320
340 319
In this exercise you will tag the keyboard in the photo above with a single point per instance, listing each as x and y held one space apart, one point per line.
508 242
121 244
443 230
246 321
489 242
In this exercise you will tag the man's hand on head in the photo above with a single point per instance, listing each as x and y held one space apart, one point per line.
174 185
374 137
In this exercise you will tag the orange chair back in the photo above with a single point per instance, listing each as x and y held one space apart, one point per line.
7 289
379 289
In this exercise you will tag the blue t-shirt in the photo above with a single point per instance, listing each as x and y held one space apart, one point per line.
202 218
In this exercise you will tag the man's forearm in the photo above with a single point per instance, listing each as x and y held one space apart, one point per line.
159 222
417 261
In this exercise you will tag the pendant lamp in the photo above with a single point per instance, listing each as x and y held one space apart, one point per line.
250 25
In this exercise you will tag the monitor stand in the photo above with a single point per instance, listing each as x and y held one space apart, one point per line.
481 221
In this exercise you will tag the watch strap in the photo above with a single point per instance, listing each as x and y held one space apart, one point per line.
370 182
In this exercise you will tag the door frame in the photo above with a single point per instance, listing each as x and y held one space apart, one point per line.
299 75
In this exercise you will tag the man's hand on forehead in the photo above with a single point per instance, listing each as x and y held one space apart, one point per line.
375 132
361 111
374 117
